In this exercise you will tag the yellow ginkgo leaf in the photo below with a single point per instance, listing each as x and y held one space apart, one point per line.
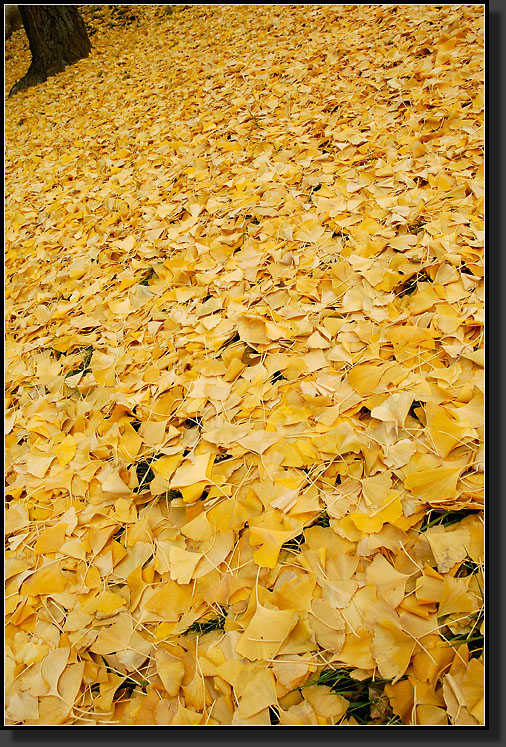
66 450
389 511
192 471
259 440
114 637
198 528
226 434
38 464
448 547
431 715
316 340
328 625
259 693
327 704
265 633
21 707
390 583
169 601
48 580
107 603
408 334
444 431
472 686
192 493
365 377
114 485
433 486
356 651
166 466
270 530
171 670
107 691
129 444
392 649
52 667
182 564
456 598
376 489
50 540
394 409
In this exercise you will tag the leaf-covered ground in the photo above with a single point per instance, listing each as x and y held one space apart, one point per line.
244 378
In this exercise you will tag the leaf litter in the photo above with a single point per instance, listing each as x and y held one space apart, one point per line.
244 370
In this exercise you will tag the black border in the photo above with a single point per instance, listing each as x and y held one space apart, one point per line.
495 358
494 732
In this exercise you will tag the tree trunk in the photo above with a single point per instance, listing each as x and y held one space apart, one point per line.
57 37
13 20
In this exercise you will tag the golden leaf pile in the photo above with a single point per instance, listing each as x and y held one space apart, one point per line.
244 378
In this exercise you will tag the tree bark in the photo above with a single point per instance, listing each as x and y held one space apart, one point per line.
57 37
13 20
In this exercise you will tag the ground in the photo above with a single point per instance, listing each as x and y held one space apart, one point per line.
244 369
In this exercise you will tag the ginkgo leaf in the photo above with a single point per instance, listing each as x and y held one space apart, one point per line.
52 668
258 441
456 598
226 434
22 707
364 378
472 690
390 583
15 518
265 633
65 450
192 471
171 670
115 637
449 547
182 564
211 387
199 528
129 444
434 485
316 340
327 624
394 409
271 531
107 603
169 600
431 715
389 511
326 703
301 714
357 649
47 580
445 431
50 540
166 466
38 464
192 493
107 691
309 231
115 485
252 330
376 489
259 693
392 649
